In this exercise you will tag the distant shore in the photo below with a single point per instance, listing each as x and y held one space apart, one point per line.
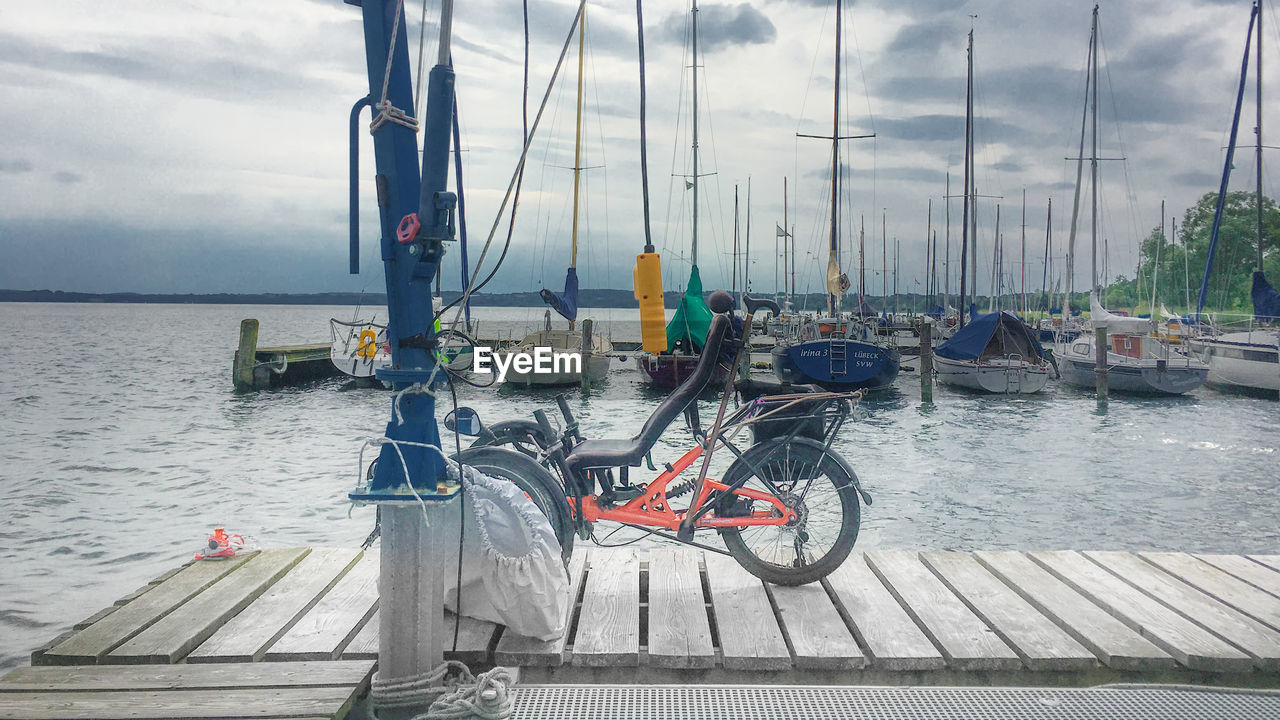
602 298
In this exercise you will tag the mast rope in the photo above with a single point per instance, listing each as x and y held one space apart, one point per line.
386 111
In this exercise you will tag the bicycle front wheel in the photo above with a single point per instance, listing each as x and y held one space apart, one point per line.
818 488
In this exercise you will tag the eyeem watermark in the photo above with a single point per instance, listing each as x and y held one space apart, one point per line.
542 361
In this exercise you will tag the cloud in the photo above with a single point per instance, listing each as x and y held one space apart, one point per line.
67 178
720 26
15 166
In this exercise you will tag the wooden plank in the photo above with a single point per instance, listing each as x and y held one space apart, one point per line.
1256 574
609 622
186 677
814 630
750 638
247 636
1040 643
1112 641
679 630
1187 642
966 642
165 704
327 628
86 646
179 632
364 646
1244 632
1271 561
519 650
889 635
475 637
1226 588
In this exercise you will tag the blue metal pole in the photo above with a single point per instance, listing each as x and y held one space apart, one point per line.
410 255
1226 172
354 259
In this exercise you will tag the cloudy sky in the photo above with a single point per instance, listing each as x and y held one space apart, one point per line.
201 146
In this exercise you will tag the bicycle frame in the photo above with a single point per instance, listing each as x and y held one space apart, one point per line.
652 509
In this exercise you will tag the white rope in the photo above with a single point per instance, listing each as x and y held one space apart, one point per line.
450 692
386 111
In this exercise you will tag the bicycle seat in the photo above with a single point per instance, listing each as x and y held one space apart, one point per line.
608 453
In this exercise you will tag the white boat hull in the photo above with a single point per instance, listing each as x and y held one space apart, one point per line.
1239 361
1176 375
595 364
993 375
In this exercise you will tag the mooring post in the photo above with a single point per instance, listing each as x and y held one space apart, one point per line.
926 361
586 352
1100 363
242 372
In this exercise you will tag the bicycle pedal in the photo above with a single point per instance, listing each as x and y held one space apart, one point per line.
626 492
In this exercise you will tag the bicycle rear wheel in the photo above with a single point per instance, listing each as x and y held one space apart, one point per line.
534 480
821 491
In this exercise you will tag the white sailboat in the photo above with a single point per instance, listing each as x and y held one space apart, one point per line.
1247 359
996 352
1137 361
594 350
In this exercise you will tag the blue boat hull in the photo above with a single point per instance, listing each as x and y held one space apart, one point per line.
865 366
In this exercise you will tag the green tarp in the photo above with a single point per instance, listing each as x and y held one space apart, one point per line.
689 326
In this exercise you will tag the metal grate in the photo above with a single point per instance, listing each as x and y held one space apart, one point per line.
677 702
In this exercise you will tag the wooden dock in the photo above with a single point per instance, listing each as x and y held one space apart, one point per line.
256 368
887 617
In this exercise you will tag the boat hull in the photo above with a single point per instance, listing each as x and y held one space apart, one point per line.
595 364
865 366
669 371
1174 379
1241 364
994 375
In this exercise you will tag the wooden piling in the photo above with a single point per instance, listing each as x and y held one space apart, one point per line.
926 361
1100 363
246 354
586 352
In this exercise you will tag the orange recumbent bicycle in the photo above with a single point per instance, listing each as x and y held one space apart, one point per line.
787 507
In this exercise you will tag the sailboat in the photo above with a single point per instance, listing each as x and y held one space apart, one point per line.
995 352
1248 359
594 350
1137 361
687 330
836 351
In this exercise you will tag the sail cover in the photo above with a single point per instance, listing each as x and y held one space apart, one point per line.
692 320
565 303
1266 300
994 335
1116 324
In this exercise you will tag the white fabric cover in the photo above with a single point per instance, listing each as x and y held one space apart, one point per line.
1116 324
512 573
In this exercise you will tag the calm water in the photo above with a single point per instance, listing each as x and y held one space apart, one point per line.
122 445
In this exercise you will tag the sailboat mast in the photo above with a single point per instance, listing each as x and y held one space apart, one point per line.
946 258
833 248
968 141
733 288
695 133
884 264
577 136
928 255
1093 153
862 261
1048 256
746 252
1024 251
786 233
1258 132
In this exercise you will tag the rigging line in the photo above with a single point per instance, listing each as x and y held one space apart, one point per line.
644 156
497 220
675 149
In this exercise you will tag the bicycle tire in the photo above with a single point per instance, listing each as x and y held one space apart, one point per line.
534 480
522 436
789 465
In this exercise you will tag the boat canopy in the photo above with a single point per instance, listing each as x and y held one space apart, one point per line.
1116 324
937 312
565 303
994 335
1266 300
692 320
